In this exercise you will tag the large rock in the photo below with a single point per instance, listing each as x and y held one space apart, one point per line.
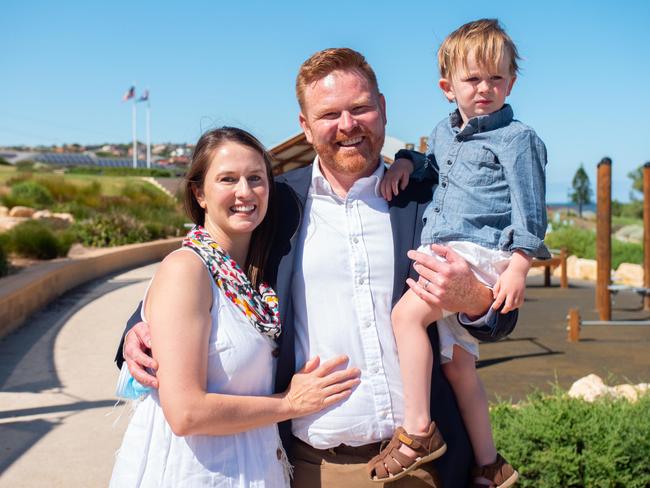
629 274
592 387
630 233
42 214
20 211
579 268
4 211
8 223
68 217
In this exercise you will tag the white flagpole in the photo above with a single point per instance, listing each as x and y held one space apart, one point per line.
148 133
135 149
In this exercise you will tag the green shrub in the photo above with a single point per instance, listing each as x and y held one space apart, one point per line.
25 166
35 239
557 441
582 243
31 194
111 230
4 162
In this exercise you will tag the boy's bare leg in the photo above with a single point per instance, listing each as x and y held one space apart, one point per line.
473 404
410 318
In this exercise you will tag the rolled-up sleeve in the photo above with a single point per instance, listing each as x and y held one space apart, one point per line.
524 164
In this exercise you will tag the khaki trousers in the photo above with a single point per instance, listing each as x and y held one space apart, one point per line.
345 467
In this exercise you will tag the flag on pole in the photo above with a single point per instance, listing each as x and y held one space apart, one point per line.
129 94
144 96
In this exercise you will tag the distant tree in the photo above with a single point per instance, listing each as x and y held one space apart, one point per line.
637 180
581 193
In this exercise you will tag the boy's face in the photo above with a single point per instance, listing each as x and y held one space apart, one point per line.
476 90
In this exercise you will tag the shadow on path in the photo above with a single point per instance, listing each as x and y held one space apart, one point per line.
27 355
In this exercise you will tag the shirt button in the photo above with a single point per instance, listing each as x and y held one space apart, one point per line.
444 185
361 280
278 453
355 239
436 210
449 161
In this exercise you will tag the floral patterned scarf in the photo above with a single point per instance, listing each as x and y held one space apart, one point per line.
260 307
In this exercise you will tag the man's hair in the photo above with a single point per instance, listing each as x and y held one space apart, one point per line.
322 63
484 38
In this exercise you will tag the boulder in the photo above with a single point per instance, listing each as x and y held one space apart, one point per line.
20 211
8 223
42 214
629 274
630 233
68 217
579 268
592 387
4 211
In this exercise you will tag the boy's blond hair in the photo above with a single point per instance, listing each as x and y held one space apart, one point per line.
484 38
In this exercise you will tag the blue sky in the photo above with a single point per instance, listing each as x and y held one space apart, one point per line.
65 65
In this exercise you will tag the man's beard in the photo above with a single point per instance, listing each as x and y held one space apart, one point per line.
350 162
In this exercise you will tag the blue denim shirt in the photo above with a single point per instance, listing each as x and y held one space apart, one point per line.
491 184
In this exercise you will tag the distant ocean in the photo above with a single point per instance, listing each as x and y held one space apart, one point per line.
558 192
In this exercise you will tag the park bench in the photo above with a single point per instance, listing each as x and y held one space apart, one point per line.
550 264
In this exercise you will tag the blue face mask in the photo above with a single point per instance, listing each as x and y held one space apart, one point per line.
128 387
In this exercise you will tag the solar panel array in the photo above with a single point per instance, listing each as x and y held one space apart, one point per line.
72 159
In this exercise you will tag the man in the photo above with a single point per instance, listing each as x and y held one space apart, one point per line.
339 264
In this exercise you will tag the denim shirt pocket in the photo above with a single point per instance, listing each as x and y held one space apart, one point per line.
480 168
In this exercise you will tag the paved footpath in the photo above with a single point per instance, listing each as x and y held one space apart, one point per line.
58 424
58 427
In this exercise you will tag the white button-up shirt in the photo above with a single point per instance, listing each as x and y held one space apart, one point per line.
342 289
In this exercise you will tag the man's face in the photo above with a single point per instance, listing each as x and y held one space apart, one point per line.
477 90
344 118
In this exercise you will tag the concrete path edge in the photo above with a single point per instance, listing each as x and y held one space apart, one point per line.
23 294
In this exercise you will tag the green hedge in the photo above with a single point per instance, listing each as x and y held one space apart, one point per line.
555 441
29 193
582 243
36 239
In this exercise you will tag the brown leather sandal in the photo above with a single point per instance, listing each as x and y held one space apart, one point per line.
500 474
391 464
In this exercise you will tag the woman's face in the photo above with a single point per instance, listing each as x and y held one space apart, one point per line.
235 191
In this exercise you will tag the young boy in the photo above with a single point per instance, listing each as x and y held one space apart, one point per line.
488 207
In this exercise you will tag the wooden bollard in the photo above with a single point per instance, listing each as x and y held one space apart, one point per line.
604 239
574 325
646 232
564 279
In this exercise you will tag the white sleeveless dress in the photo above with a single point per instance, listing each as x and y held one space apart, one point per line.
240 362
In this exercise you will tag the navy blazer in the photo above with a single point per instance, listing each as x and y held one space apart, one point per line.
406 222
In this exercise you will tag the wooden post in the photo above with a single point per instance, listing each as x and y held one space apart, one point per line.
646 232
424 141
564 279
574 325
604 239
547 276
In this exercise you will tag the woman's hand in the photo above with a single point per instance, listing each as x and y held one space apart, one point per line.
137 354
317 386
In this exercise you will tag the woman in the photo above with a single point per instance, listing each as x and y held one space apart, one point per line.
213 327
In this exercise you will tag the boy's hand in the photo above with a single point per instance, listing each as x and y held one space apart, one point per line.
510 288
396 178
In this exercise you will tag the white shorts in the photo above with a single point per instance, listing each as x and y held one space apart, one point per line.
487 265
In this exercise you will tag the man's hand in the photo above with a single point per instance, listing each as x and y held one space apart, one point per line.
449 284
511 285
137 354
396 178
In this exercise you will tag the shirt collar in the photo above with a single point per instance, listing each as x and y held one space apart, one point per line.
481 123
320 185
